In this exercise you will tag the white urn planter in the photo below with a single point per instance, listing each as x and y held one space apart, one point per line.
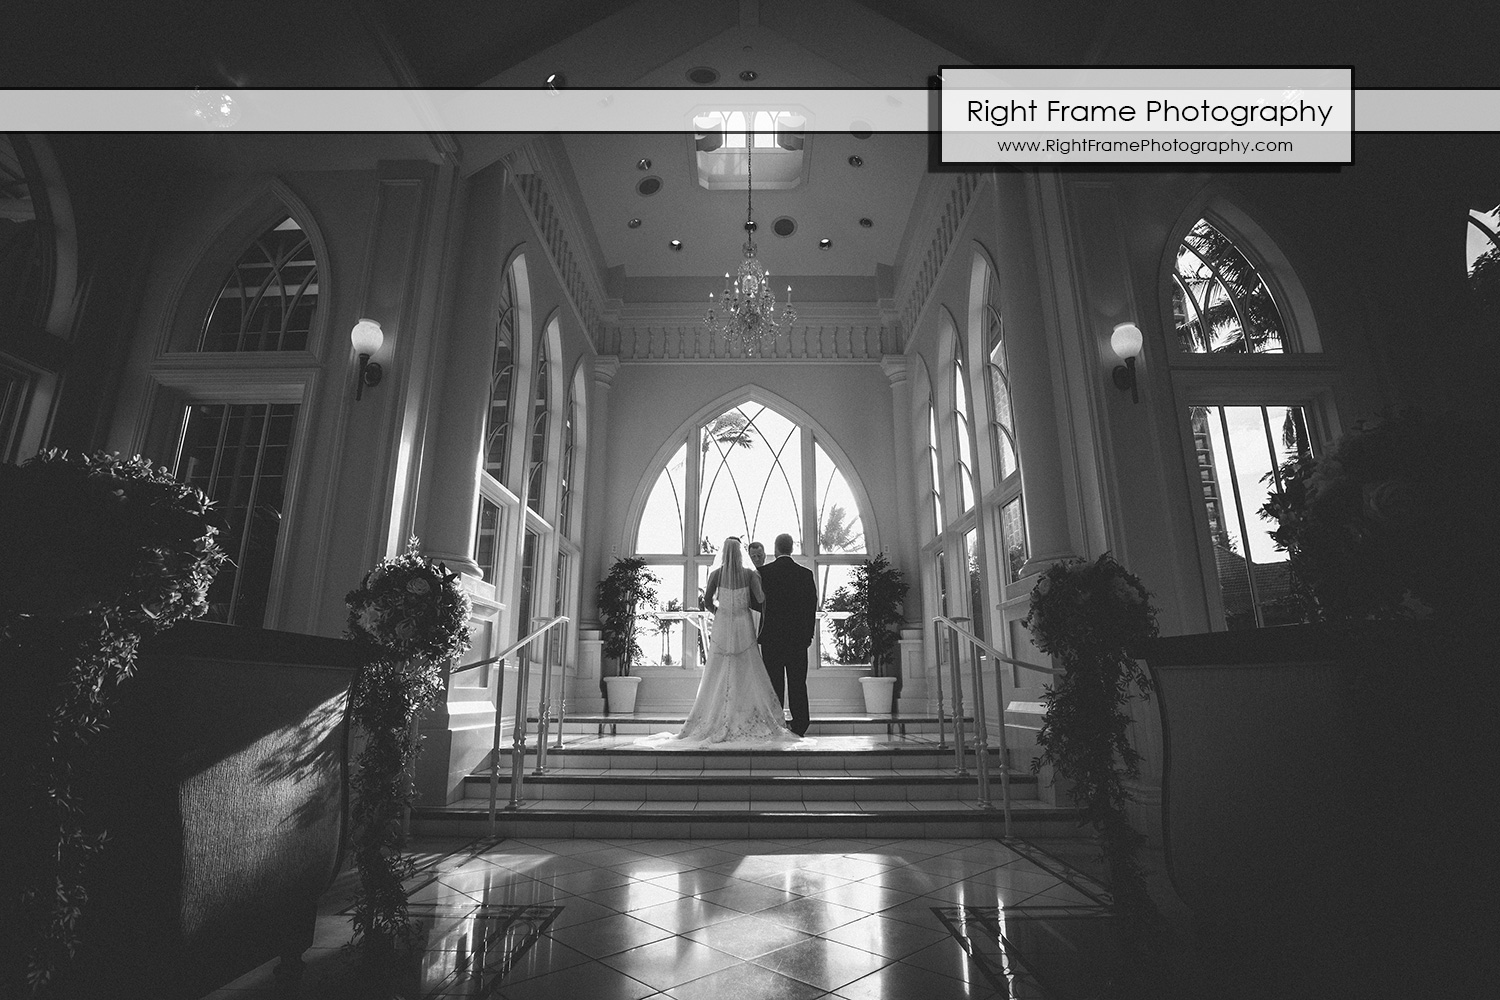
620 694
879 694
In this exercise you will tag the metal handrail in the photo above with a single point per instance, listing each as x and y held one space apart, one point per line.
957 633
518 729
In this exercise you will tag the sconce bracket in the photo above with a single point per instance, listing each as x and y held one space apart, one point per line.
373 373
1124 376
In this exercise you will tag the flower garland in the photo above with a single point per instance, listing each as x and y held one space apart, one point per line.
417 612
98 551
1090 615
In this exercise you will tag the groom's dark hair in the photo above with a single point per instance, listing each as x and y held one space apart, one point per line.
783 545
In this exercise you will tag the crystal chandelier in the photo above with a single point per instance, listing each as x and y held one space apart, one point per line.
746 316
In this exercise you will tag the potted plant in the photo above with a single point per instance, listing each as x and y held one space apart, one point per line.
98 551
871 633
1087 615
415 613
629 587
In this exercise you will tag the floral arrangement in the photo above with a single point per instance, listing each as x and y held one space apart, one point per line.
1387 524
98 550
1091 615
417 612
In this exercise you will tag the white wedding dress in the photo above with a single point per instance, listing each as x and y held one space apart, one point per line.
736 704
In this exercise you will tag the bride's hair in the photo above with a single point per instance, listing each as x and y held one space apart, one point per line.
734 569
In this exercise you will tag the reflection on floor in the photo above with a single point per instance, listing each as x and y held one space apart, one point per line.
838 919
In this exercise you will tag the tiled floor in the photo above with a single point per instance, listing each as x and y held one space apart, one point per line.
835 919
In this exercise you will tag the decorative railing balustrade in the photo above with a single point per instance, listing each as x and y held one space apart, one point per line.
807 342
957 637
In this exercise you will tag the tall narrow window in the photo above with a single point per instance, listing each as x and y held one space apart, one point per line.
502 383
1220 302
1239 452
541 409
238 454
962 448
487 538
936 468
566 470
1013 537
268 300
976 582
1003 426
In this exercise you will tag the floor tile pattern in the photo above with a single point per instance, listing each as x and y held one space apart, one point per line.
833 918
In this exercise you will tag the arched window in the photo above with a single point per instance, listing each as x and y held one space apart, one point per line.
935 467
1003 417
25 243
753 471
541 412
502 382
567 468
1220 302
1483 255
268 300
963 452
1242 422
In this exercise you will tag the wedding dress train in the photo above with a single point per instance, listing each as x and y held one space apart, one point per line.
736 704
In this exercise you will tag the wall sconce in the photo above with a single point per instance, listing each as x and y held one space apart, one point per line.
1126 343
367 338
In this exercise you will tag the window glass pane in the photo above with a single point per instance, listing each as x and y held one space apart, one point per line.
540 410
24 245
565 487
977 610
502 379
1003 430
487 538
1013 537
662 522
750 479
525 605
661 640
238 454
937 472
1219 300
839 527
560 590
1483 254
269 297
961 434
1236 448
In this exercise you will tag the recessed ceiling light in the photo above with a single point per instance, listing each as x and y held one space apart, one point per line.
634 223
825 244
648 186
856 161
703 75
644 163
784 226
676 245
867 222
748 75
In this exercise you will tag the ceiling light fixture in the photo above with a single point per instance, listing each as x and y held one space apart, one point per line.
747 315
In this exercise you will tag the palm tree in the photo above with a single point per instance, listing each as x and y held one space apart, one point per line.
1220 301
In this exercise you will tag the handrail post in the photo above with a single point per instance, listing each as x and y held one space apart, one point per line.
562 684
495 744
544 705
1004 747
518 741
937 641
958 703
981 731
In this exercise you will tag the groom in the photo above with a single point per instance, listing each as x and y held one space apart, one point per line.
786 629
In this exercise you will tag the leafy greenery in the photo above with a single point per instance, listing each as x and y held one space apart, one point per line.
875 597
1221 303
1089 615
417 613
629 586
98 551
1387 524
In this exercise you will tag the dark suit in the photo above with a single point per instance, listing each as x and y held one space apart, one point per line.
786 630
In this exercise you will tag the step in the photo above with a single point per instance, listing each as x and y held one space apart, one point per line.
681 785
720 820
639 723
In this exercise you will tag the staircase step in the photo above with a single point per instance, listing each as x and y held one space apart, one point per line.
733 785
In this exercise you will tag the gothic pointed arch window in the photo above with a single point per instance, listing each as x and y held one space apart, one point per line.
502 382
962 451
541 415
755 471
1265 396
1482 253
269 298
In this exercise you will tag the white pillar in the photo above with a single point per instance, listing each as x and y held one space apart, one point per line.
596 549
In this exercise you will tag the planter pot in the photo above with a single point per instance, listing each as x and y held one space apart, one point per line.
620 692
225 796
879 693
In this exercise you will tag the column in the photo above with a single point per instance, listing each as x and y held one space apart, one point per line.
914 672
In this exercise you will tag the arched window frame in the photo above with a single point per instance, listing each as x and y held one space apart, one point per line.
694 562
1302 375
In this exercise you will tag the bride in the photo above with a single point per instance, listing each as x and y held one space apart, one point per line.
735 703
